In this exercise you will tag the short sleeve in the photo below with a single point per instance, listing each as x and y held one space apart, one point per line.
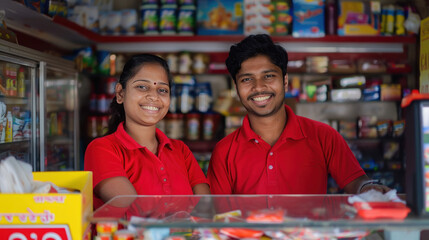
342 164
217 173
104 159
195 173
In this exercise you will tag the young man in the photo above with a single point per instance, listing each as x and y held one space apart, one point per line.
276 151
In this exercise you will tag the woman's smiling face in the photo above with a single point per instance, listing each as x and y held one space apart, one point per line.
146 98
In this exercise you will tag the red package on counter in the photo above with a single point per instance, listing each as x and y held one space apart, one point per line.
386 210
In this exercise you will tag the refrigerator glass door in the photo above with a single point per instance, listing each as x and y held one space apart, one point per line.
60 126
18 109
425 162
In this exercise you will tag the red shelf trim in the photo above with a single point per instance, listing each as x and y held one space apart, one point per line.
98 38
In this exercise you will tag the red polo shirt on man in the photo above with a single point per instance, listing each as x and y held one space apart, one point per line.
298 163
173 172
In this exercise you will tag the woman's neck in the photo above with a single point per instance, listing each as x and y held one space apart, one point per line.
143 135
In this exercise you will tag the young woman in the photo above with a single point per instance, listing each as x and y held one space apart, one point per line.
136 158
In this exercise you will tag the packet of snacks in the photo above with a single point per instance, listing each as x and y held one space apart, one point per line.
17 177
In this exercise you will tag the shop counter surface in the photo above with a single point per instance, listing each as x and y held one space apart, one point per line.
208 211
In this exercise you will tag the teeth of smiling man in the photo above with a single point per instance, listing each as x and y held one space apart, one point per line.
261 98
151 108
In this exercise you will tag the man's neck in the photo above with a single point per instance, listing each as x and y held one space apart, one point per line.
269 128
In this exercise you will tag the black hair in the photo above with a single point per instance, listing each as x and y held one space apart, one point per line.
252 46
131 67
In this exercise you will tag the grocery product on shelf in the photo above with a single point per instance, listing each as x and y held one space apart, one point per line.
223 17
309 18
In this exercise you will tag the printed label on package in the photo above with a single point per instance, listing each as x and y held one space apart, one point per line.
28 232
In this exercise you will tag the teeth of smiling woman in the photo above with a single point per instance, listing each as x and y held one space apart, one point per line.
151 108
261 98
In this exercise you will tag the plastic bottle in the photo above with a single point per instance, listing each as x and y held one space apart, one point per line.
8 133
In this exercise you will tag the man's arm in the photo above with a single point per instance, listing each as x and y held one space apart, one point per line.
217 174
363 184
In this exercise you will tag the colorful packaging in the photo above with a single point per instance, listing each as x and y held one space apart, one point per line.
309 18
114 19
128 21
149 19
223 17
85 16
103 60
360 18
8 129
168 20
268 16
187 2
17 128
21 82
49 215
186 20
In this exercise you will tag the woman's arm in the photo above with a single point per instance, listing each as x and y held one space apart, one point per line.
201 188
114 186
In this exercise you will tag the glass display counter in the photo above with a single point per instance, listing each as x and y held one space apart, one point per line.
272 216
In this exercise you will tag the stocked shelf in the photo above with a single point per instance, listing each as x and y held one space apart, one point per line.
14 100
23 143
98 38
66 34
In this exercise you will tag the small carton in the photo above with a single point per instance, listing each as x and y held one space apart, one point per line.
222 17
49 215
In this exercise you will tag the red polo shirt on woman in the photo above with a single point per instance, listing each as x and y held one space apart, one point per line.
298 163
173 172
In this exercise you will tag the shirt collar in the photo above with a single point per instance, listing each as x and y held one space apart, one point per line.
131 144
292 130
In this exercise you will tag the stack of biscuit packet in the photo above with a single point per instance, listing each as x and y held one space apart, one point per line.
17 177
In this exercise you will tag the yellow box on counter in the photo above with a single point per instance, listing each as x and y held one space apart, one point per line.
49 215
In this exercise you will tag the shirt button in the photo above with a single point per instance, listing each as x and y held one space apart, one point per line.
270 167
271 153
165 179
256 141
162 169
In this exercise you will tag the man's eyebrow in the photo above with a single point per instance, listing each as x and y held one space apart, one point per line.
270 70
244 74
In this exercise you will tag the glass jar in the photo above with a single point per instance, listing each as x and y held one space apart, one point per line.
174 127
193 126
